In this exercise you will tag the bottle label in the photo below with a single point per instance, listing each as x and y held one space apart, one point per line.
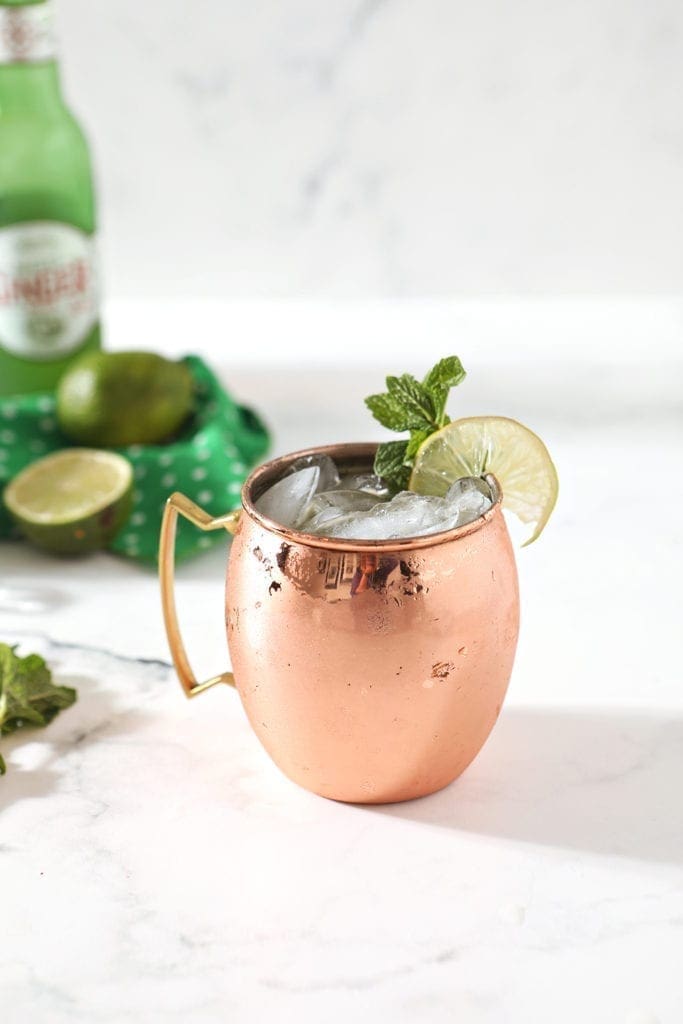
48 289
27 33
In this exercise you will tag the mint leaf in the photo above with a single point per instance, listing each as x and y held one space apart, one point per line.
389 458
401 478
447 373
416 439
415 399
389 463
388 411
440 397
441 378
27 694
417 406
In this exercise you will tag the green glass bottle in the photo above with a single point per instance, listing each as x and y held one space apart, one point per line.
48 274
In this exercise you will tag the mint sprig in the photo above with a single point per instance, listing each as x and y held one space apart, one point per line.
27 694
417 406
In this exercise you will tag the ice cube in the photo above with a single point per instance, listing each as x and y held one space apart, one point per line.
406 515
410 514
342 501
468 498
286 501
369 482
328 506
329 475
470 483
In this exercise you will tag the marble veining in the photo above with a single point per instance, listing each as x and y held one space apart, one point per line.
161 867
382 147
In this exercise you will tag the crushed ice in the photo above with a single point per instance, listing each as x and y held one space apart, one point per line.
314 498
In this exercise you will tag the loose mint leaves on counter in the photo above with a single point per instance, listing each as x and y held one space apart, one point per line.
27 694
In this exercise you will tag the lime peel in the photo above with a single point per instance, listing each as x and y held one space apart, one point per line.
72 501
516 456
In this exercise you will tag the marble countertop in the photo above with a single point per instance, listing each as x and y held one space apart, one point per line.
156 866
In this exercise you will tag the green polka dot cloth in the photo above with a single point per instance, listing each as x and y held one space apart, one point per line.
208 462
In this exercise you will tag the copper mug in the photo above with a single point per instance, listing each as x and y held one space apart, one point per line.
371 671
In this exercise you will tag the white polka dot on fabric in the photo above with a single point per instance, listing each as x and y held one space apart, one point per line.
205 496
137 495
7 436
199 473
140 471
138 519
166 459
168 480
230 450
204 542
134 450
9 412
46 404
47 425
130 538
203 454
239 467
234 487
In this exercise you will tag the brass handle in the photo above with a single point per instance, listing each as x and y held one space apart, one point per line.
178 503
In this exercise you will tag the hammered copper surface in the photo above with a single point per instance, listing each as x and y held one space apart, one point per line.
370 672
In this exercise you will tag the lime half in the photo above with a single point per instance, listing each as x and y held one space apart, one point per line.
72 501
491 444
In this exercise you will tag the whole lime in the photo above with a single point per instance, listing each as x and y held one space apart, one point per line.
112 399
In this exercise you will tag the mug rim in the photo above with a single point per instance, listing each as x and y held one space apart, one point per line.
362 451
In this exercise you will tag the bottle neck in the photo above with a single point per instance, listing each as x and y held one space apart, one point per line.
29 87
28 71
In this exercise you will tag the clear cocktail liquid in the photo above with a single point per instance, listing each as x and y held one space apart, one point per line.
49 310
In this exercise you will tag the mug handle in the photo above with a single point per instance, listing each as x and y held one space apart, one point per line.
178 503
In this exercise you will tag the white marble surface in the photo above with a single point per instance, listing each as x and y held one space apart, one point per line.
156 866
382 147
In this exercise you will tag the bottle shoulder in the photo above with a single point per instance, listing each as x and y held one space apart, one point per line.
45 173
34 137
53 119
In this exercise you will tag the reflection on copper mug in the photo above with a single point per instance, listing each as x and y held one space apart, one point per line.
371 671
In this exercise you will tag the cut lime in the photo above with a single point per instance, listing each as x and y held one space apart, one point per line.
72 501
491 444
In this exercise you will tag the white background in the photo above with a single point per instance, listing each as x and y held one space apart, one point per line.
382 147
